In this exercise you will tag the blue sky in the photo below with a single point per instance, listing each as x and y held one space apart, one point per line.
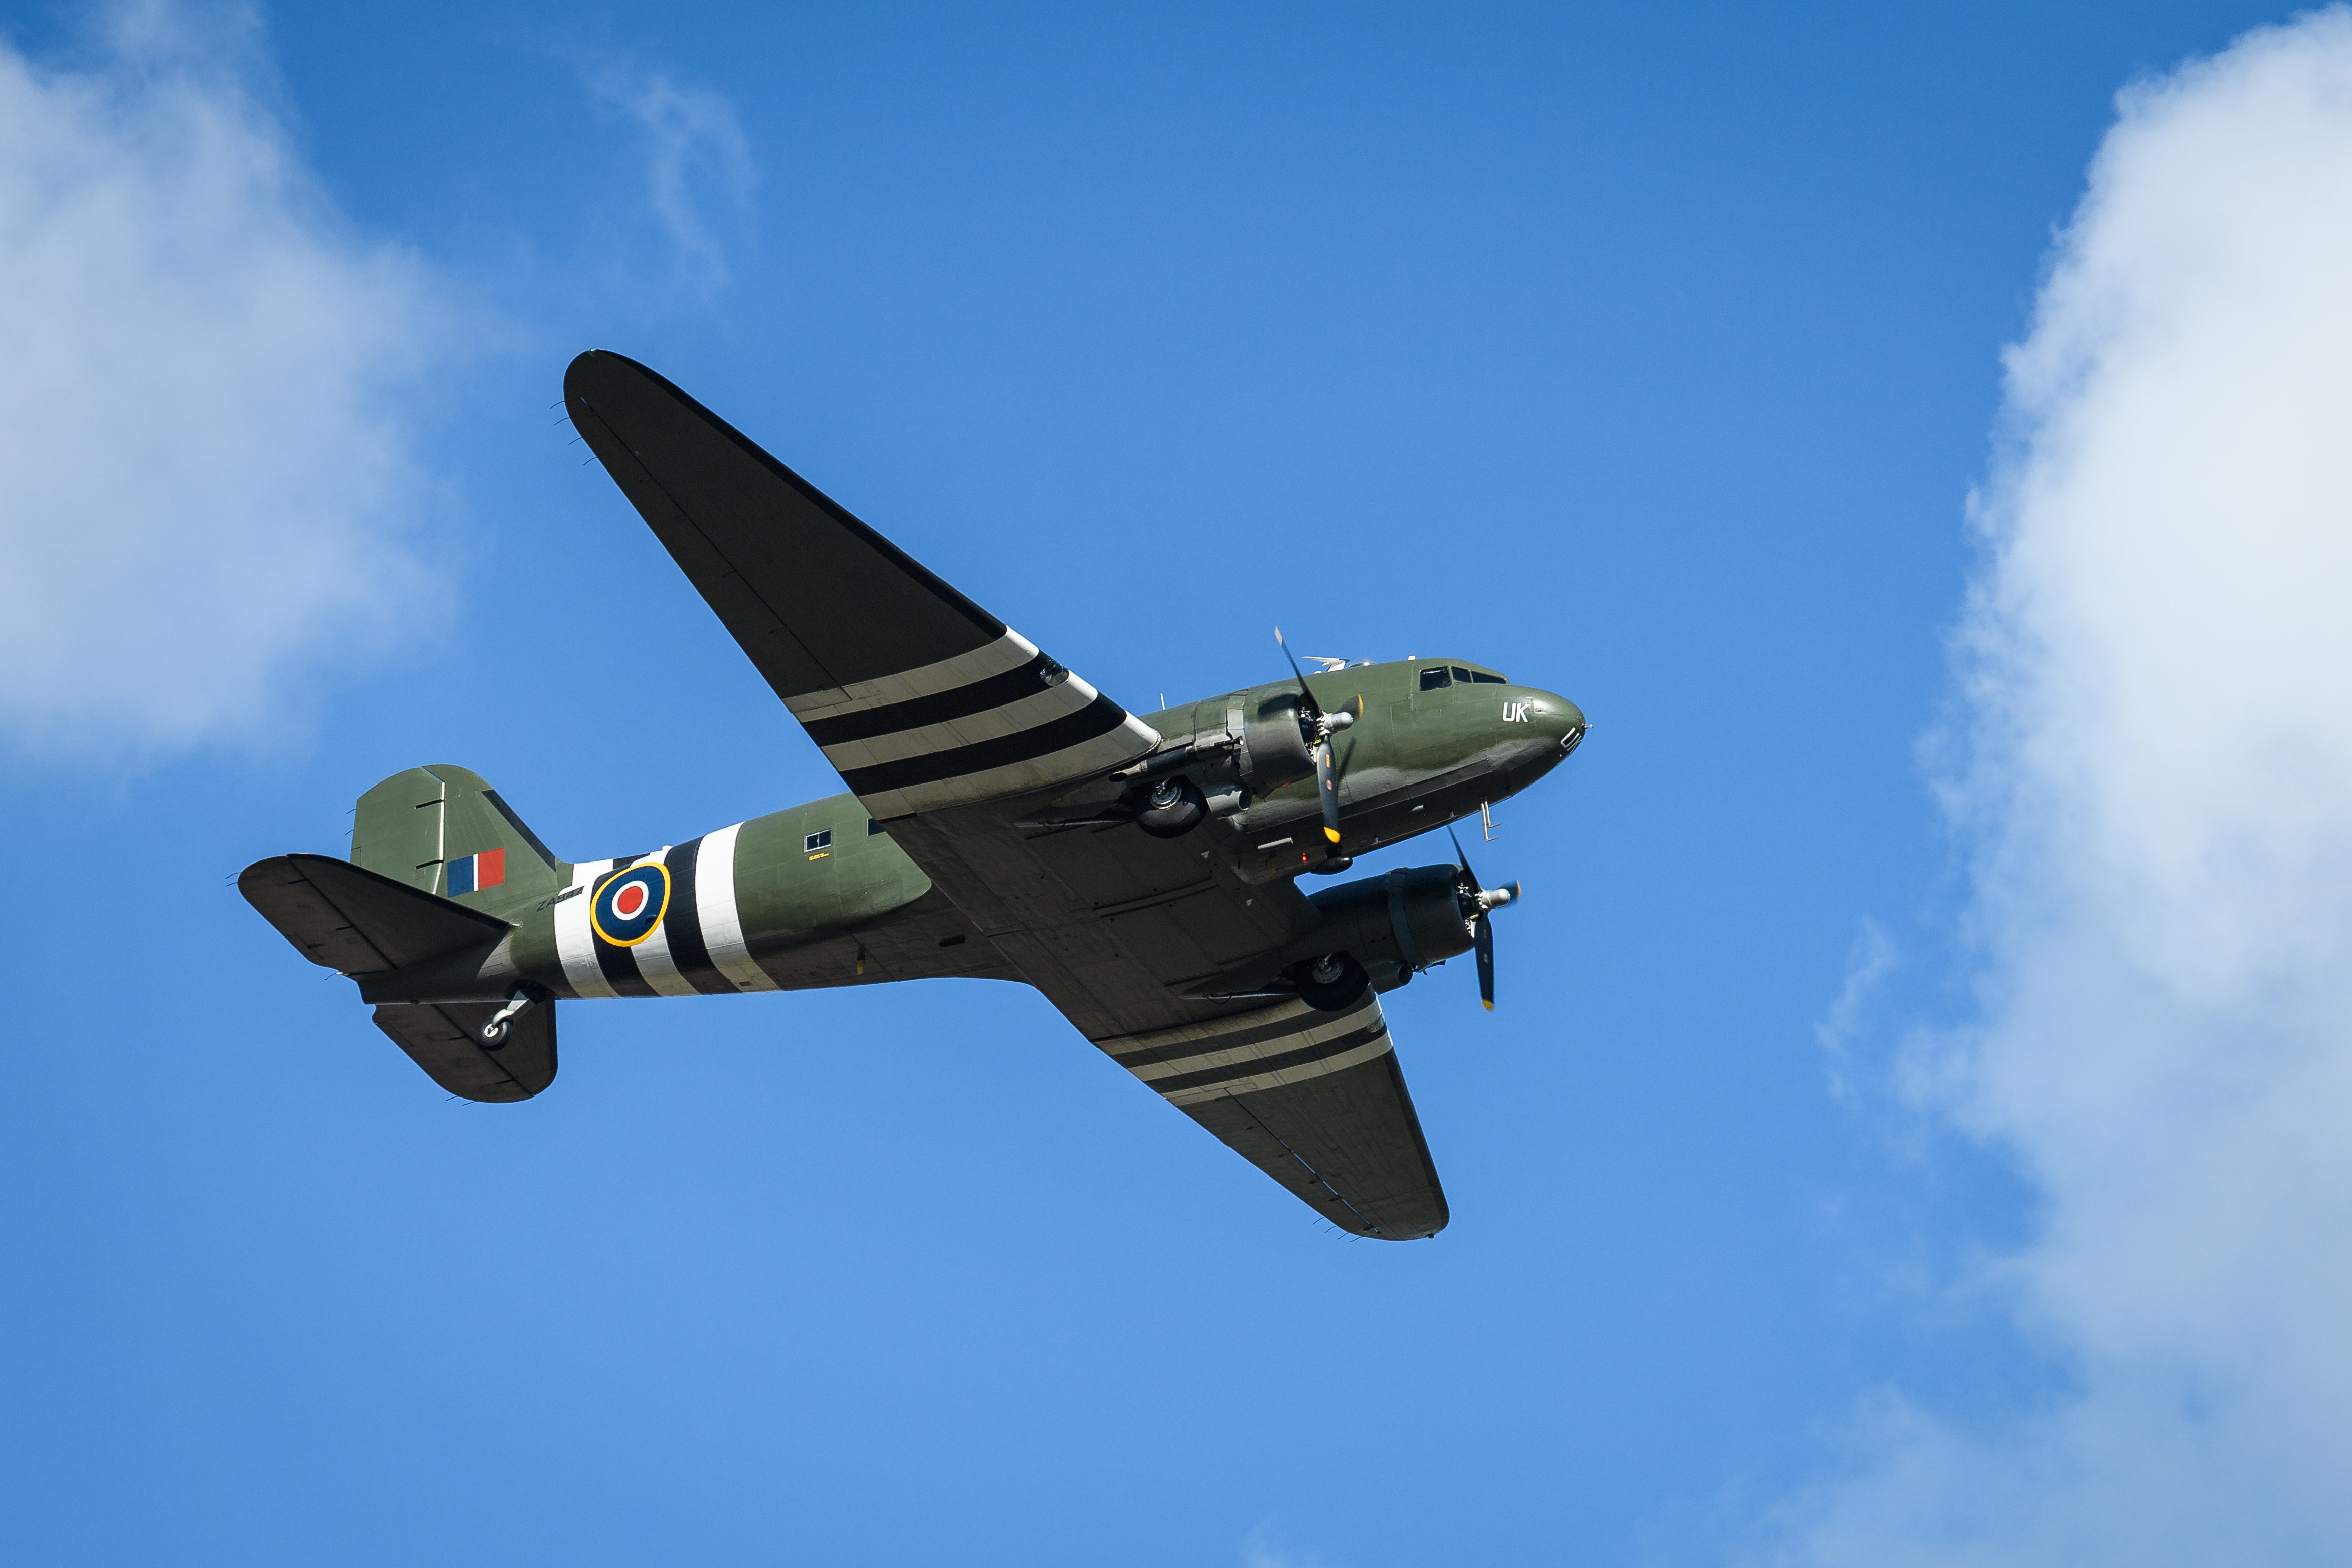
1650 355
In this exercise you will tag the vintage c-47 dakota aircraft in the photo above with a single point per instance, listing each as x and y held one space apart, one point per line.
1004 820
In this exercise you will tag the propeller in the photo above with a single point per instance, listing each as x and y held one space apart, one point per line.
1477 904
1317 727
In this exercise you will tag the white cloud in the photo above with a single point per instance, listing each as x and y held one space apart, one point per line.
695 159
2157 669
202 481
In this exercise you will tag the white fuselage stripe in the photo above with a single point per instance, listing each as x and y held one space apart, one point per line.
722 925
575 943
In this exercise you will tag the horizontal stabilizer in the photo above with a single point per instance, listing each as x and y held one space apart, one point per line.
347 918
445 1040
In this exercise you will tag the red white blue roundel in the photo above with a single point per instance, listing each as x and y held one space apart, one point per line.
628 909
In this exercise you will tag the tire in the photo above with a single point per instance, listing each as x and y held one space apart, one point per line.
1172 808
1331 984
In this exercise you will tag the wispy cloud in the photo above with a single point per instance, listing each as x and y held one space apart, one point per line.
1868 963
202 481
698 170
1259 1550
2157 664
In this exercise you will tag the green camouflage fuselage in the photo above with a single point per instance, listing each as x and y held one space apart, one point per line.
819 895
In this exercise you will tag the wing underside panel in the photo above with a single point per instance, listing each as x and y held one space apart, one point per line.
1315 1100
1114 927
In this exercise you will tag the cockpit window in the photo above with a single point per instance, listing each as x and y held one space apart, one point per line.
1461 676
1432 679
1483 677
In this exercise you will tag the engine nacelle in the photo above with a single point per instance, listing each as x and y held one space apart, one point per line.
1408 918
1273 752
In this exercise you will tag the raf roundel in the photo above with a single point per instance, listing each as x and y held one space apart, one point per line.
629 906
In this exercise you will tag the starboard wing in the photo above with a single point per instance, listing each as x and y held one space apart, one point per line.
918 696
960 733
1124 933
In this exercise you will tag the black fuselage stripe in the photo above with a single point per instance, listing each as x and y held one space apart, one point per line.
993 691
618 963
682 924
1323 1051
1099 717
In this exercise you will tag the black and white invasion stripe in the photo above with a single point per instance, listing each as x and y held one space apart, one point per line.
994 722
1285 1044
696 950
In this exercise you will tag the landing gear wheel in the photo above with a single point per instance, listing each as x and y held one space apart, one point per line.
1172 808
1331 984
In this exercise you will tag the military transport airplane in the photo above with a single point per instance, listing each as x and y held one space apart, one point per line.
1004 820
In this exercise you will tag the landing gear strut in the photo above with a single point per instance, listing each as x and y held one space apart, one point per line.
501 1024
1172 808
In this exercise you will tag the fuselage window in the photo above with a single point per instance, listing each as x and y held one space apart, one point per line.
1461 676
1482 677
872 827
817 841
1432 679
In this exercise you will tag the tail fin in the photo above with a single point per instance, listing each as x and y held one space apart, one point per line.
443 830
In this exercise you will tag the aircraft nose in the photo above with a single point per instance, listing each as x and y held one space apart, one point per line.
1556 716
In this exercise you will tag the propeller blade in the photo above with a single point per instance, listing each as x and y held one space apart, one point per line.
1326 785
1463 856
1309 707
1485 935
